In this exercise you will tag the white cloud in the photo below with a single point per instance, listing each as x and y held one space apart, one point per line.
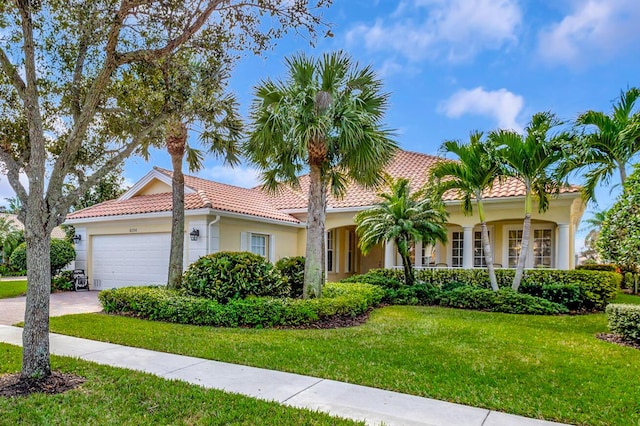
502 105
454 29
243 176
595 30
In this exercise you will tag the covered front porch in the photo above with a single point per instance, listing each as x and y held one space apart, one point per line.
551 246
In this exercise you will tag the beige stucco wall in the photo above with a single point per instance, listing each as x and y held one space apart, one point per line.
154 187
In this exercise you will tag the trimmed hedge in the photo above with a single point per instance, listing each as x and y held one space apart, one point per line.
505 300
607 267
624 320
576 289
224 276
161 304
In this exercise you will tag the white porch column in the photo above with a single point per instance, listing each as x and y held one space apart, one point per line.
389 254
467 247
563 246
418 254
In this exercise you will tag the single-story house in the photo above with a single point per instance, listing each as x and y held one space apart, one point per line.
126 241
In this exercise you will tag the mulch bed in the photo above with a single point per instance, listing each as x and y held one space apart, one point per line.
618 340
335 321
11 385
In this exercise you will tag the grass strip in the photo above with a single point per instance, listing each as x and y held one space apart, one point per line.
542 367
13 288
113 396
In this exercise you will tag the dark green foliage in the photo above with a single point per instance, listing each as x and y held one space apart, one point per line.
63 281
508 301
62 253
597 267
597 288
161 304
624 320
569 295
397 292
380 277
468 297
292 268
225 276
505 300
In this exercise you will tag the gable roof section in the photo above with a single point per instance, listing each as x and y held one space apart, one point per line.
199 194
412 165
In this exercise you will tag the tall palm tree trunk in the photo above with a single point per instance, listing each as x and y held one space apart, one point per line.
524 249
409 276
176 142
314 266
486 245
623 172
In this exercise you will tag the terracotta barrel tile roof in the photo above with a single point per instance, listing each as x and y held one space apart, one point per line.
412 165
256 202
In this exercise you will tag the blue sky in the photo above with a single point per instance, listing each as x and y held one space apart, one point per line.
453 66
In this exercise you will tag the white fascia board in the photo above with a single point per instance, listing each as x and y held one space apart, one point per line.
194 212
153 174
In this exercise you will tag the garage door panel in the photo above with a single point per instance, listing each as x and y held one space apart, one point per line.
129 260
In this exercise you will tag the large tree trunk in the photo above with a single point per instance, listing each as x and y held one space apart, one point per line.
314 266
176 141
524 249
35 336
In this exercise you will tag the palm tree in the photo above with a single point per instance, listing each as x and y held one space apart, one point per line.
405 218
326 118
594 224
529 158
10 238
611 146
193 93
474 172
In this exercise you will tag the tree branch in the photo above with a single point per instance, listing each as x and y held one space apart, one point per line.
15 78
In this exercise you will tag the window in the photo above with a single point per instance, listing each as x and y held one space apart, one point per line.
478 250
515 245
330 250
542 248
259 244
351 249
457 245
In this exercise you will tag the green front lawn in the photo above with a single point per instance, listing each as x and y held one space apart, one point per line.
627 298
545 367
13 288
113 396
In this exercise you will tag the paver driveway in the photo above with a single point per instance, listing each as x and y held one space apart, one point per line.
68 302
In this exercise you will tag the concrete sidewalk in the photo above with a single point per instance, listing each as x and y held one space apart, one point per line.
336 398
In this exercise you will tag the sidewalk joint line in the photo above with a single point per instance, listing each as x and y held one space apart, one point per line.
202 361
303 390
485 418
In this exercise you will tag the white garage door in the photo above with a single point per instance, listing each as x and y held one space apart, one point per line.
129 260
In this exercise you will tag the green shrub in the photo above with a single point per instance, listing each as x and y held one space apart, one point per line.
597 288
63 281
509 301
607 267
62 253
233 275
469 297
624 320
568 295
505 300
379 277
158 303
397 292
292 269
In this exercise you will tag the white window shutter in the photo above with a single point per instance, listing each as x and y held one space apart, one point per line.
272 248
244 241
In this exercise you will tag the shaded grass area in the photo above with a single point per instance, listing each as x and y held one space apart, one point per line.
113 396
627 298
544 367
13 288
